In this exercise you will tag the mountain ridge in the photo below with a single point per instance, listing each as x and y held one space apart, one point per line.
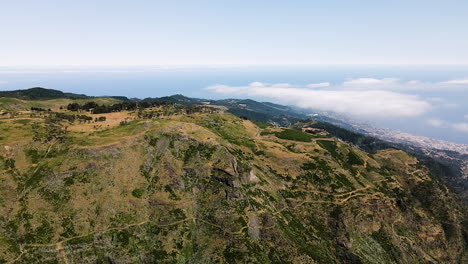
169 182
40 93
452 168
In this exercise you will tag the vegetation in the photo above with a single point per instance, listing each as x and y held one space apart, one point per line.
200 186
292 134
261 124
137 193
95 108
367 143
39 93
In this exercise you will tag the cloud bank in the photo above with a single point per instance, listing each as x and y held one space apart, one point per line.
395 84
460 81
361 97
319 85
461 127
438 123
435 122
376 103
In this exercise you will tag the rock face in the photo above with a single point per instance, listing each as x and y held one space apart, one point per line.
207 189
253 178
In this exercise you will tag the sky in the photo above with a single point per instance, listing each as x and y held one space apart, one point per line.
397 64
65 32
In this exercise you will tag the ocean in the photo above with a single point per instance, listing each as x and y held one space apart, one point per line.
449 106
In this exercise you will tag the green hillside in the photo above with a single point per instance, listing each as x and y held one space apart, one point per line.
178 184
24 100
14 104
38 93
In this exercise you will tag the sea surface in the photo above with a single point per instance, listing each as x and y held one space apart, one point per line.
155 81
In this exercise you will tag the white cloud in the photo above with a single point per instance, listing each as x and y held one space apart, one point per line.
280 85
466 116
319 85
438 102
360 96
366 82
462 127
394 84
460 81
364 103
435 122
414 82
256 84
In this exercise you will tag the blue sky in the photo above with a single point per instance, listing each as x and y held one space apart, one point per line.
232 32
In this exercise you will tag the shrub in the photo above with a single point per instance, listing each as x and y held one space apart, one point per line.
354 159
137 193
100 119
261 124
292 134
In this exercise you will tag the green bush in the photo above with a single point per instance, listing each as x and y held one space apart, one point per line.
354 159
261 124
331 147
292 134
137 193
100 119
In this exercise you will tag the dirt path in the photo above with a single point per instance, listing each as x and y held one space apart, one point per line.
340 201
337 194
61 253
257 133
61 250
18 257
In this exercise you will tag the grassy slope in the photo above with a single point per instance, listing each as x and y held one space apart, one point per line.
211 188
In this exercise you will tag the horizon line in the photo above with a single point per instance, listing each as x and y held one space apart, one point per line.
229 64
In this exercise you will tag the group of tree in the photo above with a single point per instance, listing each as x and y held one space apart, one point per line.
40 109
95 108
176 110
85 107
70 118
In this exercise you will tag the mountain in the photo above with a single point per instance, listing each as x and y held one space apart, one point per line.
193 183
38 93
260 111
451 167
448 161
